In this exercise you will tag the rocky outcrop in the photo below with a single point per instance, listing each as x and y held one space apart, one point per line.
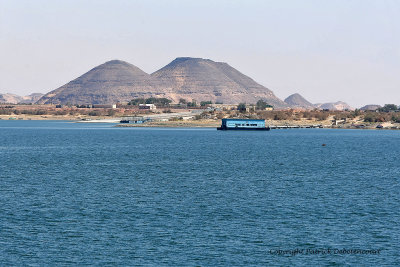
340 105
298 101
370 107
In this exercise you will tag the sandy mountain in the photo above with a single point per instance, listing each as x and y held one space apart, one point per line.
32 98
204 79
111 82
340 105
188 78
15 99
298 101
10 98
371 107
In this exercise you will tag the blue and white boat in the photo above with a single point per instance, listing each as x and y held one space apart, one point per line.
243 124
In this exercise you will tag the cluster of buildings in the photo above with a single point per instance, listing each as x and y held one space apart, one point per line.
225 107
217 107
112 106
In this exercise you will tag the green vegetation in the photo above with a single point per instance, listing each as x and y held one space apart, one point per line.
205 103
80 106
95 113
357 112
192 104
388 108
262 105
396 118
241 107
159 102
6 111
376 117
176 119
137 101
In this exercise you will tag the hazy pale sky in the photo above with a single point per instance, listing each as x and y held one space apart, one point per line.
324 50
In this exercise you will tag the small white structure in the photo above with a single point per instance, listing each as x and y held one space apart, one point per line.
147 106
104 106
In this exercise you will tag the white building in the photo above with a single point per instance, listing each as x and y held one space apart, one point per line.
147 106
104 106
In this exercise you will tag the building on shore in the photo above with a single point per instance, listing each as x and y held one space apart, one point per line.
337 122
249 107
147 106
133 120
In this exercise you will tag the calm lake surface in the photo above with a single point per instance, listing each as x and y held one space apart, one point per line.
94 194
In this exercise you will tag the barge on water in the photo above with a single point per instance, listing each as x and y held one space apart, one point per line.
243 124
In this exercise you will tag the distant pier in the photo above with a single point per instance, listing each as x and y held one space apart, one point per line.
295 126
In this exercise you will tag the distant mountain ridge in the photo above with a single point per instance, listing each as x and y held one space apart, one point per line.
16 99
298 101
187 78
183 78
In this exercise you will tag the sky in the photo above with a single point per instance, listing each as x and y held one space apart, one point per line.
327 51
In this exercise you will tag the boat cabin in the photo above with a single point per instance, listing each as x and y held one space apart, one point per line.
242 124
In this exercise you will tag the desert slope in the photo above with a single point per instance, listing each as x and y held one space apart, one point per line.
111 82
204 79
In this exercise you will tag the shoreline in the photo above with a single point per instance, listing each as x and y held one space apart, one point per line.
202 123
212 126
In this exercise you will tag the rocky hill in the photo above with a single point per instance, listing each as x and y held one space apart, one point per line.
16 99
298 101
340 105
10 98
371 107
204 79
111 82
188 78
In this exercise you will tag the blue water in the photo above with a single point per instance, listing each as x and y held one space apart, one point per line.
94 194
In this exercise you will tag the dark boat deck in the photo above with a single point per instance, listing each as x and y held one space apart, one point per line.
242 129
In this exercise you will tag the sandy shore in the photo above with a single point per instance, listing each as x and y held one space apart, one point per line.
54 117
183 124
